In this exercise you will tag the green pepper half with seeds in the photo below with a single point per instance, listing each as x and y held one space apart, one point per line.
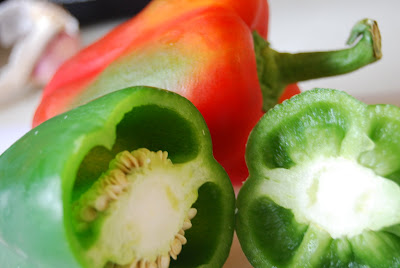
323 189
127 180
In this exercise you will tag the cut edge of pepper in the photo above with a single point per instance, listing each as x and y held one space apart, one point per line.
106 136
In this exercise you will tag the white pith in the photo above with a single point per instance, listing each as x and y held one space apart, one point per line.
142 206
148 216
336 194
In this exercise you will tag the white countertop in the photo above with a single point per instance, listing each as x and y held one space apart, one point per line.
308 25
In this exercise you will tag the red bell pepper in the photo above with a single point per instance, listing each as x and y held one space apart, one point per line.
205 51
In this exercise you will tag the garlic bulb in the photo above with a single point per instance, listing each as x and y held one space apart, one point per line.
35 38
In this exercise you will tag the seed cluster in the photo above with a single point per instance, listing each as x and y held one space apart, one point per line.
107 190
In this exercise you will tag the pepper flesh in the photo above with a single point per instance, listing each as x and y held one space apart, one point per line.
205 52
46 172
323 189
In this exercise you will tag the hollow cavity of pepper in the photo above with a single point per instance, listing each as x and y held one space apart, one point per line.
139 210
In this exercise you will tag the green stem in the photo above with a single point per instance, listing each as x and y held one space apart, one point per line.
277 70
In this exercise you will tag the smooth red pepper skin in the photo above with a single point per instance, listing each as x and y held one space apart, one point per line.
290 91
208 53
224 87
222 84
158 15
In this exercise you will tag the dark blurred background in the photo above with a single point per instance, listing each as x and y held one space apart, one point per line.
93 11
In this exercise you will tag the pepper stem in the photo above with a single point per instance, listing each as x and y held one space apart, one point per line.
277 70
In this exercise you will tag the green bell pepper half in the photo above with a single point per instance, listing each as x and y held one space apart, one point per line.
50 178
323 189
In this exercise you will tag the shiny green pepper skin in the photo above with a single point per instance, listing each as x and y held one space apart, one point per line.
323 189
47 169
